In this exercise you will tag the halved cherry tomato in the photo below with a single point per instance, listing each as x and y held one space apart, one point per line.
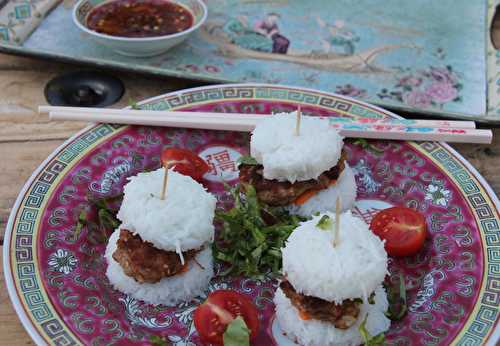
185 162
221 307
403 229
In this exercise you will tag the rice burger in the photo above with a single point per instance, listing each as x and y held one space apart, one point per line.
161 253
305 172
327 290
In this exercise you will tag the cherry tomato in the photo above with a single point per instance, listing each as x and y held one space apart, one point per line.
403 229
221 307
185 162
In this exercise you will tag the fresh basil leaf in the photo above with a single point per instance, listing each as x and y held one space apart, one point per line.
237 333
325 223
369 340
247 160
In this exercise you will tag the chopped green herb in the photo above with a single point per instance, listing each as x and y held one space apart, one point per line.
100 220
363 143
371 299
252 234
369 340
108 219
325 223
237 333
156 340
133 104
82 220
247 160
396 295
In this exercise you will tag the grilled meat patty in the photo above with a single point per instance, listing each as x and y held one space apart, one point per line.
280 193
145 263
342 316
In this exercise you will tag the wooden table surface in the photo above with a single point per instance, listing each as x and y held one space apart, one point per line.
27 138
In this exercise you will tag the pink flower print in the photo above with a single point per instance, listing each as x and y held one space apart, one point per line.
410 81
442 74
416 98
441 92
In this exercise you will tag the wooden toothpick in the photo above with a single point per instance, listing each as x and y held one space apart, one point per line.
297 124
165 179
337 223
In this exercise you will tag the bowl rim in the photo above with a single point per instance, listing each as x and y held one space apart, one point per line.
139 39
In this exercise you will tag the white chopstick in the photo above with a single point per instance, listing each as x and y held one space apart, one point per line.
459 124
247 122
229 124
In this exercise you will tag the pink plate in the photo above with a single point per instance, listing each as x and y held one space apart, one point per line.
57 281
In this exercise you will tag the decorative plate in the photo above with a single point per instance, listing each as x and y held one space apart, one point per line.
56 277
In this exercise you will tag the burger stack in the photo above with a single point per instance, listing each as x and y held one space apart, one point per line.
161 253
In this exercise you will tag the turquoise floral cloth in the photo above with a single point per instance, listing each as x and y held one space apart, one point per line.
345 40
247 38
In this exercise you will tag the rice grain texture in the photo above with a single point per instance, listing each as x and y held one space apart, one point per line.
287 157
168 291
352 269
181 222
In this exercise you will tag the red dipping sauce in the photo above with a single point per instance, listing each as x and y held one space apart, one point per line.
139 18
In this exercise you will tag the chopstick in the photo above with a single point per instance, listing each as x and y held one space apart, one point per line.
136 112
392 129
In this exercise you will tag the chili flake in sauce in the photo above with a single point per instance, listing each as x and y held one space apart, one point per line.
139 18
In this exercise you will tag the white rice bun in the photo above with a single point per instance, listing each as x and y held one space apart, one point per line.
326 199
168 291
287 157
182 221
354 268
318 333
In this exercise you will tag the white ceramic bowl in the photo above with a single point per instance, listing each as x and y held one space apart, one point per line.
143 46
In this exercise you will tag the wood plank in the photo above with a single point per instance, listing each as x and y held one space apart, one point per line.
11 330
24 158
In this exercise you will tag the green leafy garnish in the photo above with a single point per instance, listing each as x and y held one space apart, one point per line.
252 234
133 104
247 160
369 340
99 220
371 298
325 223
237 333
156 340
82 220
363 143
396 295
